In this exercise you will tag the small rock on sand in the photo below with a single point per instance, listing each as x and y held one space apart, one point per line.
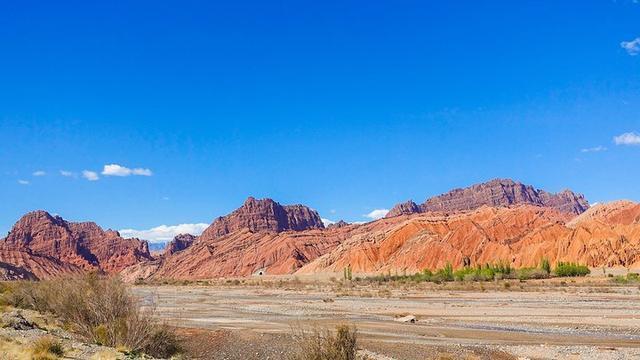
407 319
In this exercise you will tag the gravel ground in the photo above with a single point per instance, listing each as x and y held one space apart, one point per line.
578 322
20 328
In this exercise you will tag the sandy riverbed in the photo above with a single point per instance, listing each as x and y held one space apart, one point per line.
576 321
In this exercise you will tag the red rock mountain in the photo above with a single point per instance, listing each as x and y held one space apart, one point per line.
264 215
49 245
260 236
520 235
179 243
338 224
405 208
495 193
500 220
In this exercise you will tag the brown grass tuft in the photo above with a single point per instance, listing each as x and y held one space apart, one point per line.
46 348
326 345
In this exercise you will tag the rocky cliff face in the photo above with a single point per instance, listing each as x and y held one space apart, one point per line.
86 246
264 215
179 243
496 193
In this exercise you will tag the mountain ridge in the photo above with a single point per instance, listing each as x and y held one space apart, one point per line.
495 193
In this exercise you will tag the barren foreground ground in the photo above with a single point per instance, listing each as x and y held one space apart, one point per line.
539 319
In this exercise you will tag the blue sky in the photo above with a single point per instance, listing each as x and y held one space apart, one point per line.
347 107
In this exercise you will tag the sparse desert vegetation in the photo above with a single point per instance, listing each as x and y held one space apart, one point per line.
630 277
487 272
46 348
101 310
569 269
323 344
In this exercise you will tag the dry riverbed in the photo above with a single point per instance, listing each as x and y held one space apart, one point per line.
538 319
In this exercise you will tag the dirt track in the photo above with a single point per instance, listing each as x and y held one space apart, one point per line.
547 322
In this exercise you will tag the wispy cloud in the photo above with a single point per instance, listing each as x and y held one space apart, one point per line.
598 148
119 170
632 47
23 182
630 138
90 175
39 173
327 222
164 233
66 173
377 214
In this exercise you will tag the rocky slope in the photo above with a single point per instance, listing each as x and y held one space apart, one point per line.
244 253
495 193
520 235
48 245
261 236
21 264
622 212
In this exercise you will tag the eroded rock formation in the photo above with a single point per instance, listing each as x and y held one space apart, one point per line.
264 215
47 245
179 243
405 208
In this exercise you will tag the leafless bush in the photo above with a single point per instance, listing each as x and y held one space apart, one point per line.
319 344
100 309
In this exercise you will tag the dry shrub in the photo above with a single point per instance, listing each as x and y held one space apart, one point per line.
46 347
100 309
326 345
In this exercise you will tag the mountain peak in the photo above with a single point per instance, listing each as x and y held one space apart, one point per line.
265 215
405 208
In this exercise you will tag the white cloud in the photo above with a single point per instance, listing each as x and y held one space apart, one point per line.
118 170
632 47
23 182
39 173
598 148
164 233
67 173
629 138
377 214
327 222
90 175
